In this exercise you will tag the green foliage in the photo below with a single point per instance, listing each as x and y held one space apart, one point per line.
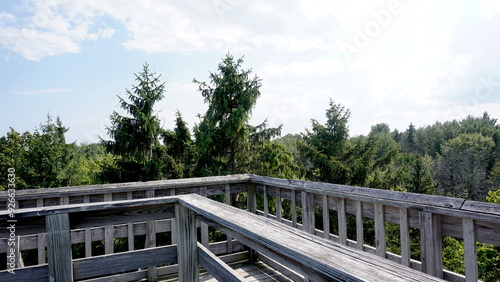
39 157
493 197
494 177
13 151
462 168
225 142
86 164
324 145
453 255
135 137
223 131
179 150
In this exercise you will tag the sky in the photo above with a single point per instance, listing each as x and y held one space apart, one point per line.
388 61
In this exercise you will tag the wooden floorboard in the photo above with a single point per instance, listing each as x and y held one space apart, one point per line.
257 271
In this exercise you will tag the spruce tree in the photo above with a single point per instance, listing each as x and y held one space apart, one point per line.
135 136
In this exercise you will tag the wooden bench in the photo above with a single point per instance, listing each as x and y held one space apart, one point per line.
317 259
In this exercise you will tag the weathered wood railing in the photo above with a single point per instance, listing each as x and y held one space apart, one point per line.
433 215
317 259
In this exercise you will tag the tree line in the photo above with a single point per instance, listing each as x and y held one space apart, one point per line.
459 158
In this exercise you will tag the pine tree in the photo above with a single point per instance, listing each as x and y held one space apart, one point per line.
224 138
135 136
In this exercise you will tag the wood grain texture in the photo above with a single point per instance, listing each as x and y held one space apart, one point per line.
115 263
404 231
326 217
470 250
342 221
59 248
307 200
359 226
28 274
216 267
187 250
430 244
380 239
329 260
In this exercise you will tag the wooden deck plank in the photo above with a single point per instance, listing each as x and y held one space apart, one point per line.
322 256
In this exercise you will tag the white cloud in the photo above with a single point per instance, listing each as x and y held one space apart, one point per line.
45 91
303 69
52 29
489 7
35 45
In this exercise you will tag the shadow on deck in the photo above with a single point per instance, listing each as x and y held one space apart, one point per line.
252 272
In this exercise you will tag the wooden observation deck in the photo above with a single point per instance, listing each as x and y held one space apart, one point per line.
271 246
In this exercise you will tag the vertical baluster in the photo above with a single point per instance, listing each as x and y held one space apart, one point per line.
227 193
294 209
130 227
252 207
88 233
108 230
278 204
173 226
266 202
326 217
64 200
430 244
151 238
251 198
342 219
308 212
59 247
404 230
187 250
41 238
359 226
204 226
470 250
380 240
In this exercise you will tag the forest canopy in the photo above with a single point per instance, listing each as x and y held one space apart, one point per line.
457 158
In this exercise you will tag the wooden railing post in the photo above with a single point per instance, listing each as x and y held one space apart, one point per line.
109 239
380 240
251 198
187 250
173 231
342 220
130 228
266 201
359 226
40 238
151 238
308 212
431 244
252 207
470 250
278 204
59 247
294 209
326 217
203 226
404 231
227 193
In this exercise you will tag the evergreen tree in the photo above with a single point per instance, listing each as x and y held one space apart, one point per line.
324 147
224 139
179 149
136 136
462 169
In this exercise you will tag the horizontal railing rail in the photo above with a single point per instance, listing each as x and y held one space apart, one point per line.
432 215
57 222
315 258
